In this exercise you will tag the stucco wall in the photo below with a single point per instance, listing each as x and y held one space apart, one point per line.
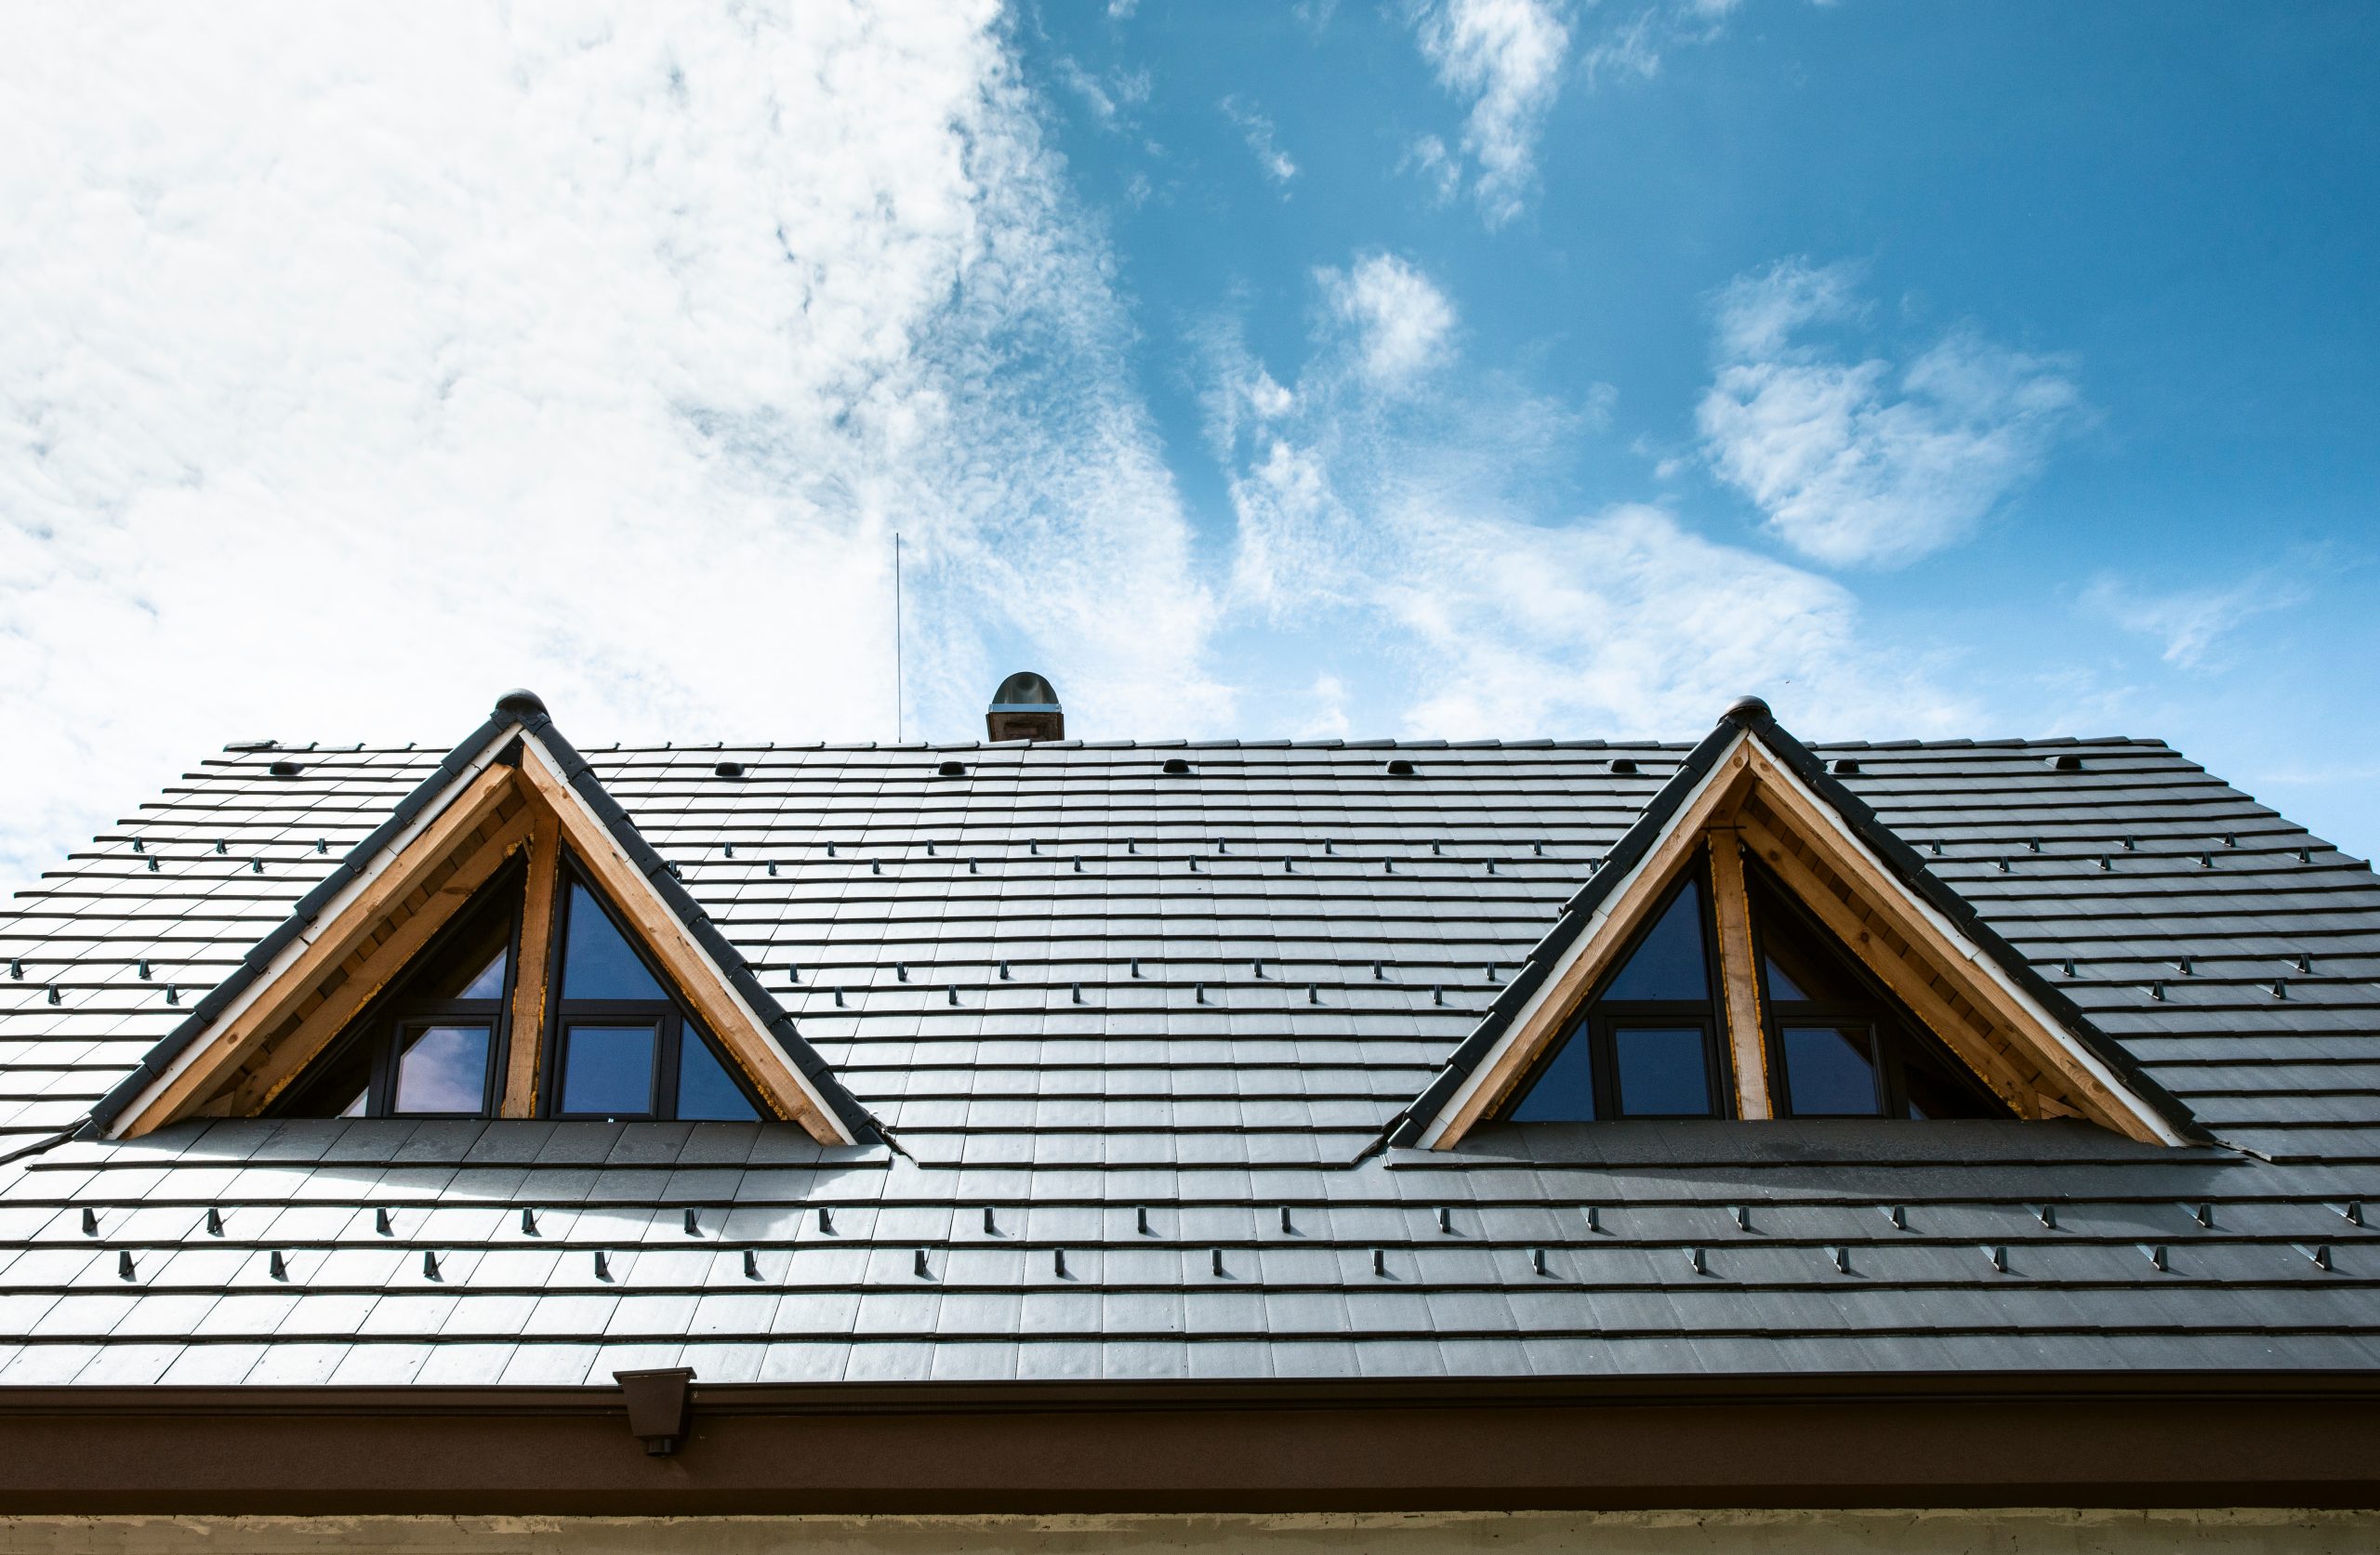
2047 1532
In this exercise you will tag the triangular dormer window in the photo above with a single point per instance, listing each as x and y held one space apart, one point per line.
505 946
1760 946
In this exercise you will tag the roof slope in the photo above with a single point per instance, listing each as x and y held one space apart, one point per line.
1088 996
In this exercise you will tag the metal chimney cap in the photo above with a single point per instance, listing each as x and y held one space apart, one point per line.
1026 692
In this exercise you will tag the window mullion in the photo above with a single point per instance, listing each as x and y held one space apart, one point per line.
1739 978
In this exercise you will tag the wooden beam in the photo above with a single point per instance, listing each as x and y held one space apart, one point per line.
686 964
406 885
526 1030
1739 976
1552 1009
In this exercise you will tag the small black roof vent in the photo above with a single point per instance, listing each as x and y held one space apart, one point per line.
1845 765
2064 762
951 769
1401 768
286 768
728 770
1623 765
1176 767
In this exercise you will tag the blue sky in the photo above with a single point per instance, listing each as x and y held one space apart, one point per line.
1463 368
2166 220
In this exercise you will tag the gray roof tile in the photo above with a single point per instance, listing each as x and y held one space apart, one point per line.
1069 1120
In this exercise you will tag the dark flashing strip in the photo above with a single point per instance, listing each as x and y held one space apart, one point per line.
527 717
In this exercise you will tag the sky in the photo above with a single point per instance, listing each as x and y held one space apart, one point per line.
1429 369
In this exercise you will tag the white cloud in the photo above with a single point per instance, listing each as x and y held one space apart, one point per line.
1507 57
2187 624
364 363
1403 533
1258 131
1870 462
1440 169
1402 321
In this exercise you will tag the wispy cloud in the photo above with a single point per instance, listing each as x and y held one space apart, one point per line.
1871 462
1633 39
1258 131
1401 322
1106 98
399 360
2189 625
1407 536
1506 58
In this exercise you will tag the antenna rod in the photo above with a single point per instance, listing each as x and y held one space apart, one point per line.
900 723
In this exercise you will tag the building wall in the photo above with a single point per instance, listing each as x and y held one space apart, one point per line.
1999 1532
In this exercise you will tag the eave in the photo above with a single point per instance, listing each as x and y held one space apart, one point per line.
2175 1439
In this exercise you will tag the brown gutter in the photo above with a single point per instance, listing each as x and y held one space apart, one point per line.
2169 1440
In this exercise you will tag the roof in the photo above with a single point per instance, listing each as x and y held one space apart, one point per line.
1160 1025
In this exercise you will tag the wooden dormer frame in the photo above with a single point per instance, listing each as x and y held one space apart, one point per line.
1749 800
513 800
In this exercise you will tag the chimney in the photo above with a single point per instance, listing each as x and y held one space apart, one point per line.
1025 708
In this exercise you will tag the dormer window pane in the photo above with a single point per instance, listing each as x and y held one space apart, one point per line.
443 1069
1670 964
473 965
705 1088
598 962
1565 1091
1663 1070
1831 1071
607 1071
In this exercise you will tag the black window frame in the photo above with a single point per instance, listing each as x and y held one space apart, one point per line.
668 1016
382 1022
1893 1031
1598 1019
